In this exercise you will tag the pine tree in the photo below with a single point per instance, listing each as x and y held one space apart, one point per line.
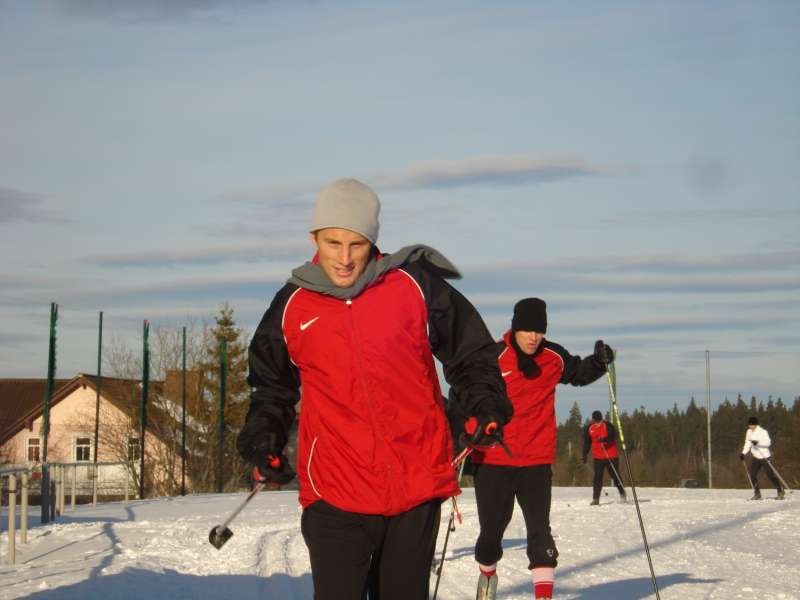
205 461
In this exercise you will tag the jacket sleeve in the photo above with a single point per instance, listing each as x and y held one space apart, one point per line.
763 440
587 442
611 433
274 385
578 371
460 340
747 445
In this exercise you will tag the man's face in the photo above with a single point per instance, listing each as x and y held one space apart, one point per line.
752 427
528 340
343 254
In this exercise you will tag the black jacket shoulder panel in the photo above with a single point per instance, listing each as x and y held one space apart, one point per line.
273 379
460 340
577 371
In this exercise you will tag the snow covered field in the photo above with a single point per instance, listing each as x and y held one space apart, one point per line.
705 544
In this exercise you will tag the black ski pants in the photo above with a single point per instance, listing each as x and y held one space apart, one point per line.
755 467
496 488
355 556
600 466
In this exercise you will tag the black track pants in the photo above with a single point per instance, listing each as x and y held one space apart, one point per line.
388 557
496 487
601 465
755 467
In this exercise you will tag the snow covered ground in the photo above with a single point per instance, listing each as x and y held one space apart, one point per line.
705 544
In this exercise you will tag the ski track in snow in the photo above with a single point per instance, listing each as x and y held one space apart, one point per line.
705 544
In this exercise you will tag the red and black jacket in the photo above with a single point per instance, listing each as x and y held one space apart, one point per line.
592 436
373 437
531 433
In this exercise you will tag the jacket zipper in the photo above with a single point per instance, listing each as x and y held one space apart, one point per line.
367 396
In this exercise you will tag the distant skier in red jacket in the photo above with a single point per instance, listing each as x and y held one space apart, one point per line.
601 437
532 367
357 331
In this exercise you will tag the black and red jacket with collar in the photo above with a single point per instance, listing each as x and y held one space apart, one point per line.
373 437
601 450
531 433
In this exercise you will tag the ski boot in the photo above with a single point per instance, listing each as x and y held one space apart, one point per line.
594 503
487 587
756 496
781 494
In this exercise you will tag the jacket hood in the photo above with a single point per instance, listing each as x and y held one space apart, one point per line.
312 277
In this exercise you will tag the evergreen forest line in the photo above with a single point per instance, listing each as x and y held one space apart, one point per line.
666 449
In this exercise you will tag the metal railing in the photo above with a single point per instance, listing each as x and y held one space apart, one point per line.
105 479
11 476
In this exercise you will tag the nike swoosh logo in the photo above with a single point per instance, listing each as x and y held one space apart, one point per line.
307 324
505 373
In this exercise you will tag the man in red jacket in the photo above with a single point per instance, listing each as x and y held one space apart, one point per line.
601 437
531 367
357 331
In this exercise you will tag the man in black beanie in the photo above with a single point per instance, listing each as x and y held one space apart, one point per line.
531 367
601 437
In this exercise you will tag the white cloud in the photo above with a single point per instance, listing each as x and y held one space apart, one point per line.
440 174
245 251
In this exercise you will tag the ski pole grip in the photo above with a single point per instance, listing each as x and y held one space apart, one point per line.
471 425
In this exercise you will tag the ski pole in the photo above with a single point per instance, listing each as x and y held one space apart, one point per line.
774 470
612 392
220 533
450 527
778 475
470 446
491 430
461 457
750 479
613 468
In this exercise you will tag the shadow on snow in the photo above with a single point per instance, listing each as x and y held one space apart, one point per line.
631 589
132 584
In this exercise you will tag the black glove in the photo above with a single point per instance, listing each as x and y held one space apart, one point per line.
483 430
754 442
273 468
261 442
603 352
261 435
741 457
602 440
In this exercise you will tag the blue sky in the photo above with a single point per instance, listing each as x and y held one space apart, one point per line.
634 164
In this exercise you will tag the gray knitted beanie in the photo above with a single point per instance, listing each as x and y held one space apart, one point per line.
347 204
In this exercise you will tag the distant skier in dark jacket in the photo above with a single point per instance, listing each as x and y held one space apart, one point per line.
357 331
601 437
532 367
757 443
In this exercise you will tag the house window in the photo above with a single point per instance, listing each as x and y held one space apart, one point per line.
83 449
133 448
34 449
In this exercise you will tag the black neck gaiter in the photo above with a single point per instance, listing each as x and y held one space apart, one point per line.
525 362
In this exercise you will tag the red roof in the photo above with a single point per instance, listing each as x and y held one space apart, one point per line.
18 397
22 400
